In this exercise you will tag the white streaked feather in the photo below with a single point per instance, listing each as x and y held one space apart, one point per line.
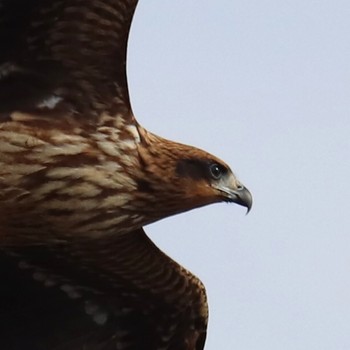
50 102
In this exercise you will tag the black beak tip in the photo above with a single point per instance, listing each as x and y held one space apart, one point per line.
243 197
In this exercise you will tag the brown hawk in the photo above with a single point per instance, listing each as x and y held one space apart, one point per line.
79 178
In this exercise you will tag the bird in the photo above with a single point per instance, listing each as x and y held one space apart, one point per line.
79 179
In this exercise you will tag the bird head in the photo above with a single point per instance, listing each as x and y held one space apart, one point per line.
182 177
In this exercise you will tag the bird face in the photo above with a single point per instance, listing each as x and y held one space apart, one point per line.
211 180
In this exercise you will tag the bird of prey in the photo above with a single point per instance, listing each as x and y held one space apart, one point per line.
79 178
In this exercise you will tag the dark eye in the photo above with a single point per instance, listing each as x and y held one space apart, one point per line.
217 171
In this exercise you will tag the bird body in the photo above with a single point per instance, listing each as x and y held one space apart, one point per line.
79 179
117 182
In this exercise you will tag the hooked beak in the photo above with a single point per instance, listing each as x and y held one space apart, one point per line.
240 196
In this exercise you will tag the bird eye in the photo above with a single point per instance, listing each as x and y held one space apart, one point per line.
217 171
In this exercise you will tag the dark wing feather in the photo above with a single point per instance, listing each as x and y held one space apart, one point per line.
76 297
74 49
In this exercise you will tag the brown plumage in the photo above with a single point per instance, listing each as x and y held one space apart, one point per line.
79 178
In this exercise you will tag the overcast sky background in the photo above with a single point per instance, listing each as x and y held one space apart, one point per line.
265 85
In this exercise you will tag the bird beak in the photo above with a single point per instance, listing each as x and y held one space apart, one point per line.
240 196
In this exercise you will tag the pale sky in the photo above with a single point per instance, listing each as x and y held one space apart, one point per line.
265 85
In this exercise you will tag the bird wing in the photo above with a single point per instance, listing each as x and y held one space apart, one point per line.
68 51
75 296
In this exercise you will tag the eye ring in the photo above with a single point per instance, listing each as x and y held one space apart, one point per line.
216 171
